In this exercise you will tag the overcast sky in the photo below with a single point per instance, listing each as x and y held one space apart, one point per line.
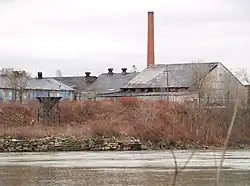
93 35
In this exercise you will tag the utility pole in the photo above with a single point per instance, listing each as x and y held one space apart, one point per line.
166 74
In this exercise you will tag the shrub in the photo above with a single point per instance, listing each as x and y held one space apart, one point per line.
129 101
154 121
15 115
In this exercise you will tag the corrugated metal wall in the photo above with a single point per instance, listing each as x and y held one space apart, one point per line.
173 97
6 94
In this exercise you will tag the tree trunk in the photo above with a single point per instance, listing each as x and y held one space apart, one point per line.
21 96
14 96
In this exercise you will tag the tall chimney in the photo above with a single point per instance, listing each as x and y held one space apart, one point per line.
151 55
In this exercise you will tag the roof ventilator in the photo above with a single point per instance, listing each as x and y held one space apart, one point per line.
110 71
124 71
40 75
87 74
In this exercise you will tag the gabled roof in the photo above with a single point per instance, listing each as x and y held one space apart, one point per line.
39 84
169 75
110 82
47 84
79 82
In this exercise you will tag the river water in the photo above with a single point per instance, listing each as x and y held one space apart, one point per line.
149 168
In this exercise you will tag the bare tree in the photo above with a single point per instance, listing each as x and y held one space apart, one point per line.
5 71
59 73
243 76
244 98
201 82
16 80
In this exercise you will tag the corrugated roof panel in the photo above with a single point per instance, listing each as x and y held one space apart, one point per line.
169 75
146 75
81 82
110 82
47 84
40 84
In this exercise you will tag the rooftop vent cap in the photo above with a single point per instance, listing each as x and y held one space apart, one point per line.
87 74
110 71
40 75
124 71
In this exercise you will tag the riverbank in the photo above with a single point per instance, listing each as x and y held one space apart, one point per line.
67 144
136 125
51 144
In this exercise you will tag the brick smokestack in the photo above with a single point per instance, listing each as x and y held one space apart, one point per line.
150 54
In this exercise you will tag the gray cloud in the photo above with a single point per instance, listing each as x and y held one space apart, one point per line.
75 36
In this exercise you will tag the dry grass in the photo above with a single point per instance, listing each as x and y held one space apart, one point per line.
154 121
38 131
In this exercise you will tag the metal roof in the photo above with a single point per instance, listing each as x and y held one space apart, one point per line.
47 84
110 82
79 82
39 84
169 75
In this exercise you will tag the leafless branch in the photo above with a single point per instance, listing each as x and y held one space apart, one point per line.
188 160
175 168
178 171
199 81
226 142
215 161
16 80
243 76
59 73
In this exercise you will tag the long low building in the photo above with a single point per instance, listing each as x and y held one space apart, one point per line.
210 83
33 88
91 87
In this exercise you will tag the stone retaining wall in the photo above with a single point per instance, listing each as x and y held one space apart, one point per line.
67 144
94 144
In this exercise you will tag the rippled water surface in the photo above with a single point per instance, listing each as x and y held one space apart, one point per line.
147 168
